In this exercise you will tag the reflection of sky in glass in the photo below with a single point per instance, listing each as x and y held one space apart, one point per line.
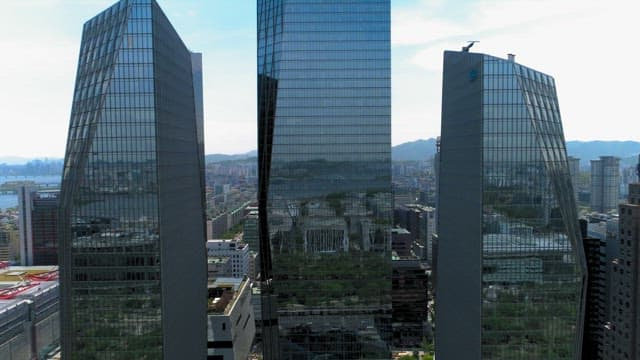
329 206
531 291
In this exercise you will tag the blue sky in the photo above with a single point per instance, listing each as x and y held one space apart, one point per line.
587 45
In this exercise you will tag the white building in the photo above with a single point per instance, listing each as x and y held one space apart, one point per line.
235 250
231 323
29 317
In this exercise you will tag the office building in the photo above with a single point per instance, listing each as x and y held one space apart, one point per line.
230 320
5 245
510 260
401 241
250 230
622 331
420 220
574 170
324 189
235 250
29 315
218 266
410 302
605 184
133 262
38 226
595 317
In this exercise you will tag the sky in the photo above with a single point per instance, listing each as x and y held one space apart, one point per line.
588 46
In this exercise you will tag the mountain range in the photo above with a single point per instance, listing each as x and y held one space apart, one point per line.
627 151
419 150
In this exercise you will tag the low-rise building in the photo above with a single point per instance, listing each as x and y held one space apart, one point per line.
218 266
235 250
29 313
231 323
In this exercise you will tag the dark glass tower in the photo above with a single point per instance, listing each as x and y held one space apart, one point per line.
132 255
325 177
38 225
510 259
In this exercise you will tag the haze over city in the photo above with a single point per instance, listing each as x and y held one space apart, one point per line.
583 44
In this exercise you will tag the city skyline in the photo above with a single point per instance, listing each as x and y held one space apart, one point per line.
550 35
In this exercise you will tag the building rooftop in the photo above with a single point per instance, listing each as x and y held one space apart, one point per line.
223 293
399 230
20 283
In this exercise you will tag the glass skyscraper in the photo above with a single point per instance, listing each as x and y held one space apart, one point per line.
132 262
510 259
325 177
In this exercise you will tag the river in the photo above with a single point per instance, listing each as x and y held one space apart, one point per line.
11 200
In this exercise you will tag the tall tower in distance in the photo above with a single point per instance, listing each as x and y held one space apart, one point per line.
510 259
324 150
133 262
605 183
38 226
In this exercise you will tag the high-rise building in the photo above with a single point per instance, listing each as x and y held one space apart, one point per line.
250 230
622 334
596 302
38 226
510 260
605 183
4 245
410 301
325 202
420 221
574 170
133 262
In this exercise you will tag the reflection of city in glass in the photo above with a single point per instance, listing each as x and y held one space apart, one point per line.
503 152
132 194
324 149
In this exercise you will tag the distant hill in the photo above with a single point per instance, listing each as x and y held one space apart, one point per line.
414 150
591 150
627 151
214 158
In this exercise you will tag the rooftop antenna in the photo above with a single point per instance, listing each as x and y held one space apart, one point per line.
471 42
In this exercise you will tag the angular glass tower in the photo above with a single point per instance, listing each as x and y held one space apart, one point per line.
132 260
510 259
325 177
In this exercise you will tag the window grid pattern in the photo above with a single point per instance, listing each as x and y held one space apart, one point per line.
531 277
329 184
110 190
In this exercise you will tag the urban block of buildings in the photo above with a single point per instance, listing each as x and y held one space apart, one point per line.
29 311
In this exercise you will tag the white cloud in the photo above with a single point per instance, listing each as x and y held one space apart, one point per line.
586 45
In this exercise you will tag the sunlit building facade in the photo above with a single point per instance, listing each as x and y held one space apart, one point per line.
133 262
605 184
325 177
510 259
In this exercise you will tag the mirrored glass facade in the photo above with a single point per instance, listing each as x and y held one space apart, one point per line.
325 182
131 201
523 235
